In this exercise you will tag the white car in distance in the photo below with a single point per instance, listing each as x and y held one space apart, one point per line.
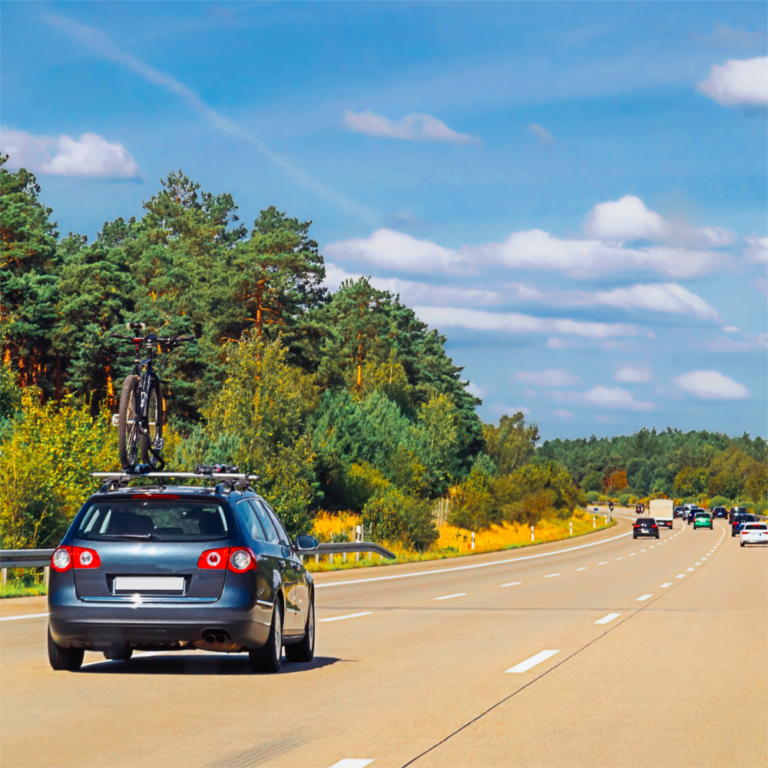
754 533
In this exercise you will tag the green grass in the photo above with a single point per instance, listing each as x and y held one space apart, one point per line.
418 557
15 589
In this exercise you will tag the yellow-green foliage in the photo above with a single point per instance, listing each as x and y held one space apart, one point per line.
48 454
263 404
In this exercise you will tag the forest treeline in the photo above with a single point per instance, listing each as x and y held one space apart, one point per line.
690 466
337 400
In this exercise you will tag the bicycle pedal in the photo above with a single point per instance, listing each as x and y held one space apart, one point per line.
115 419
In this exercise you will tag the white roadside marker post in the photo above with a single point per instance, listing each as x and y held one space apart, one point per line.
531 533
473 539
570 528
594 524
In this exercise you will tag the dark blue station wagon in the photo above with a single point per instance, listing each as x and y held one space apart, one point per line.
180 568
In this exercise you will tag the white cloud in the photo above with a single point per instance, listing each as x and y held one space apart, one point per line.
508 410
625 219
412 292
730 329
660 297
513 322
413 127
632 375
554 343
738 82
543 136
629 219
473 389
90 155
532 249
757 249
563 414
396 250
615 398
552 377
711 385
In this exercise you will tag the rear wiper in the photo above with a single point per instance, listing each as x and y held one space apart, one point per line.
137 536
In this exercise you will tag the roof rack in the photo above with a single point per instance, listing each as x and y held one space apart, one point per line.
229 480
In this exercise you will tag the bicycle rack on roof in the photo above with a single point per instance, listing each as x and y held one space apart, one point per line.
228 481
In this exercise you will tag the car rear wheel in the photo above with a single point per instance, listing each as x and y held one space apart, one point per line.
742 543
305 650
118 653
269 657
69 659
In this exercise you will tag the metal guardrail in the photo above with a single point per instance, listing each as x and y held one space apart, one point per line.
41 558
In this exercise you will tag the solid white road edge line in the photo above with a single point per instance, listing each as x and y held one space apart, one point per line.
471 567
448 597
352 762
524 666
643 598
608 618
511 584
25 616
349 616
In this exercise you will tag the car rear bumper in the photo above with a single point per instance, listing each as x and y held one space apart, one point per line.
86 624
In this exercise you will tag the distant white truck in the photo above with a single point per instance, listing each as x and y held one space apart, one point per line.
662 511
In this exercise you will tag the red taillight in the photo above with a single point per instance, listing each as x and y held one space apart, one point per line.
637 526
654 525
61 559
85 558
214 559
242 559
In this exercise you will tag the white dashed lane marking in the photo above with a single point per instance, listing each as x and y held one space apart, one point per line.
583 568
524 666
551 575
25 616
605 562
348 616
512 584
666 584
643 598
352 762
680 575
608 618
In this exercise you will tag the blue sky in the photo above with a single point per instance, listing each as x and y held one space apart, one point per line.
575 193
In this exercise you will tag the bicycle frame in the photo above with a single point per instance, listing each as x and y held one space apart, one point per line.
145 370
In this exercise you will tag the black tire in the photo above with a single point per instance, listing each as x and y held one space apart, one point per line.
128 423
119 653
633 536
156 418
742 543
269 658
304 651
68 659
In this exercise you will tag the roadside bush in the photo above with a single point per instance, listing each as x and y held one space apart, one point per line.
625 499
748 504
593 497
719 501
390 515
760 507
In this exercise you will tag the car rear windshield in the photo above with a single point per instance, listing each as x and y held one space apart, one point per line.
645 520
155 520
756 527
702 514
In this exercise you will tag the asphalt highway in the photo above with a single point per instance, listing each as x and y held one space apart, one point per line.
596 651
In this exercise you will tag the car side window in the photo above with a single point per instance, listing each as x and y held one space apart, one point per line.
266 523
251 521
284 540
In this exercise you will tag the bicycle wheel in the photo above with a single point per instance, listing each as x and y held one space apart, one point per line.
153 438
128 422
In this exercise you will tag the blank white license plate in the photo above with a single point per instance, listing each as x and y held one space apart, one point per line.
149 584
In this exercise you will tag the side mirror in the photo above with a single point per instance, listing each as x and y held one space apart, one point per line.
304 542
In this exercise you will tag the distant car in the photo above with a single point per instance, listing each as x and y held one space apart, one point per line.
719 512
736 511
739 521
703 520
645 526
754 533
679 512
692 514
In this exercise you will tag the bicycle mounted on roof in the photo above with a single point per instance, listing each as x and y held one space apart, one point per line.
141 414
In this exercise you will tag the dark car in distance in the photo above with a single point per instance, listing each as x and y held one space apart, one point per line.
740 520
692 512
645 526
736 511
180 568
719 512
